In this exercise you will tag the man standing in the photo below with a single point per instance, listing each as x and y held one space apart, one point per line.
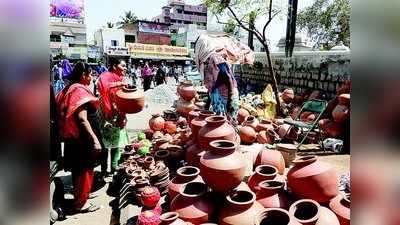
161 74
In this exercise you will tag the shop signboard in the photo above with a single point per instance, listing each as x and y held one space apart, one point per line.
71 9
155 28
58 45
135 48
117 50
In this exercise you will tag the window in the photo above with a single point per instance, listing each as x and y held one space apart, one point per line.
55 38
130 38
114 43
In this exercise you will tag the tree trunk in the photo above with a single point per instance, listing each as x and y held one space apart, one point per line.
274 82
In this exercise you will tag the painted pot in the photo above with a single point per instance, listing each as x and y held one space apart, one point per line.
186 90
247 135
156 122
262 173
310 212
272 158
340 205
251 121
222 160
242 115
149 197
198 122
275 216
216 128
272 194
129 99
148 218
312 179
184 175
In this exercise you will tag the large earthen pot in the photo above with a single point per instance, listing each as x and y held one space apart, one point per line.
275 216
183 107
288 95
193 155
340 205
216 128
272 158
262 173
310 212
267 136
272 194
184 175
186 90
251 121
264 124
242 208
156 123
247 135
242 115
340 113
197 123
312 179
171 218
192 203
193 114
222 161
129 99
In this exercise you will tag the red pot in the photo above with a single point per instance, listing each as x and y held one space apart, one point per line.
272 158
216 128
193 155
264 125
198 122
275 216
185 175
156 123
247 135
222 161
344 99
170 127
251 121
129 100
310 178
192 204
267 136
187 91
323 123
171 218
262 173
334 130
309 212
150 196
341 113
307 117
341 207
242 115
288 95
272 194
241 209
183 107
148 218
193 114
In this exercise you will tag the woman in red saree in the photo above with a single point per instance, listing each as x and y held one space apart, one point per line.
77 106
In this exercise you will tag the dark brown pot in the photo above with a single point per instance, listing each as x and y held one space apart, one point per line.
193 114
187 91
156 122
242 208
192 204
264 125
272 158
309 212
242 115
272 194
312 179
262 173
198 122
216 128
161 155
247 135
275 216
171 218
193 155
340 205
129 100
222 160
184 175
251 121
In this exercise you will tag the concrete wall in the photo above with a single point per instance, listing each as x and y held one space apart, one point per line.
104 36
309 70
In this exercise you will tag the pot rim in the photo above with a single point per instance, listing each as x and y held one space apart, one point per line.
206 113
181 170
237 192
266 184
169 216
215 119
200 185
263 214
260 167
129 88
294 206
222 146
158 152
305 159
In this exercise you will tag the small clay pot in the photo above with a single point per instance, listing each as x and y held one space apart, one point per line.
156 122
242 115
271 194
251 121
247 135
148 162
310 212
170 127
185 175
199 122
262 173
186 90
267 136
150 196
264 125
148 218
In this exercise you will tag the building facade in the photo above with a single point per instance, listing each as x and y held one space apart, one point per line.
148 32
107 38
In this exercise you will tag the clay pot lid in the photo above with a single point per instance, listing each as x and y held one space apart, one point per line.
305 210
271 184
241 197
188 171
193 189
266 170
169 216
273 216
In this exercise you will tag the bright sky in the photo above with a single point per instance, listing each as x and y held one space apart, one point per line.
99 12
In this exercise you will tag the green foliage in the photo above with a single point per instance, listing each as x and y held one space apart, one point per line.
110 25
230 26
327 22
143 151
128 18
141 136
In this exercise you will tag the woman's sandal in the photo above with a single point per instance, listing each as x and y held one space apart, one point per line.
91 208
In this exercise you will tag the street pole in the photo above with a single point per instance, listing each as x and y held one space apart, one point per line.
291 28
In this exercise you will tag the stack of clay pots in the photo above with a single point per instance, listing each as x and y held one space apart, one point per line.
186 102
340 114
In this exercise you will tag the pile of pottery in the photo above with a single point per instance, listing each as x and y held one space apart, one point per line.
340 114
187 98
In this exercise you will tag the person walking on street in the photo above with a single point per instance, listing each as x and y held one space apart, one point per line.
147 75
161 75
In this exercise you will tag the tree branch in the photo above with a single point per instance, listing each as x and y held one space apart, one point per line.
268 22
255 31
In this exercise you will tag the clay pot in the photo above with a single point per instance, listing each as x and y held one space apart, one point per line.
241 209
183 107
193 114
275 216
272 194
272 158
170 127
222 160
341 113
158 135
242 115
251 121
198 122
344 99
288 152
193 155
323 123
340 205
307 117
148 218
148 162
312 179
288 95
192 204
129 99
149 197
186 90
161 155
185 175
264 124
216 128
171 218
156 122
262 173
267 137
247 135
287 131
334 130
309 212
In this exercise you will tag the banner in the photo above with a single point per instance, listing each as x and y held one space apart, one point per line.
72 9
155 28
134 48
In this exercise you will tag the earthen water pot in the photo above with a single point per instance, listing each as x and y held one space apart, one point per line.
288 95
193 114
216 128
272 194
241 209
193 155
149 197
262 173
310 212
312 179
156 122
187 91
264 124
222 161
242 115
272 158
184 175
129 99
192 203
183 107
340 205
251 121
344 99
170 127
247 135
268 136
198 122
171 218
275 216
340 113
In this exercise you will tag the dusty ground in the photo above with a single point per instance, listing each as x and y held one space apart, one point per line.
138 122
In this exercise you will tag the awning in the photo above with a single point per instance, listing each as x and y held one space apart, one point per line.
160 57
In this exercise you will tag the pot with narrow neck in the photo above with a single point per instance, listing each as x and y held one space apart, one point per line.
310 212
275 216
340 205
216 128
129 99
262 173
185 175
272 194
251 121
197 123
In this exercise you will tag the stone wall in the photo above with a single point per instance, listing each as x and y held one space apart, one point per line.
307 70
